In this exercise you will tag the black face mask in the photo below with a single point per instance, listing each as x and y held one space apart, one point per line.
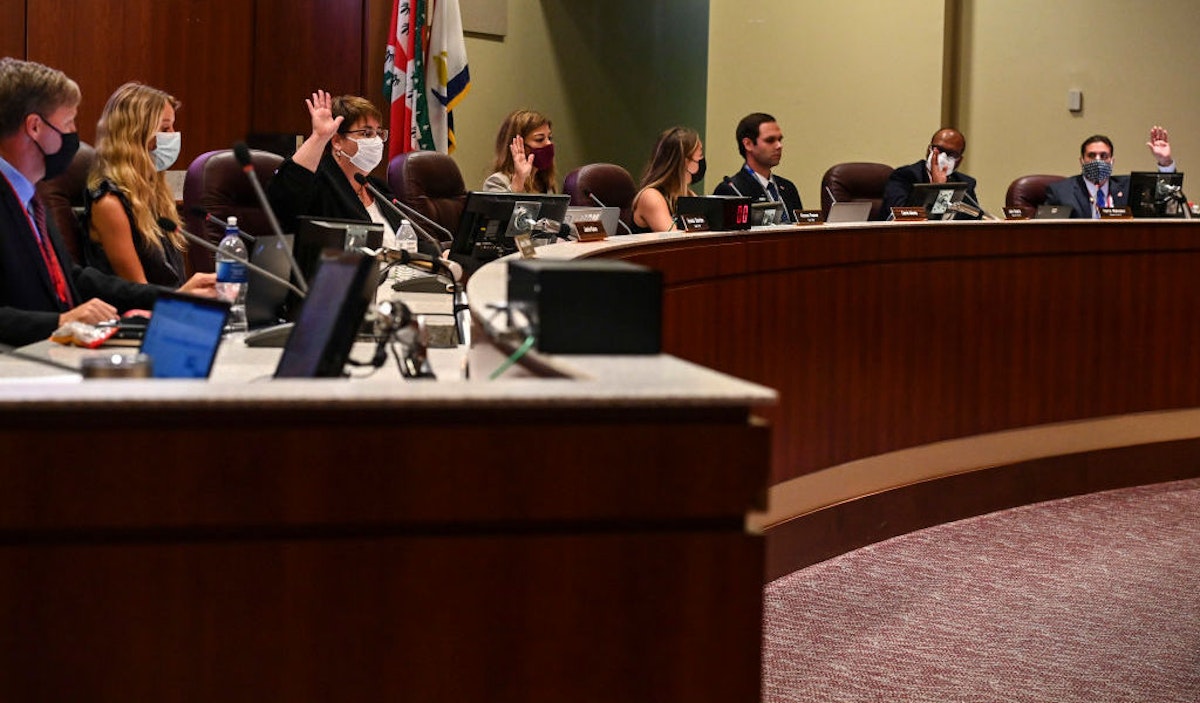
58 162
698 176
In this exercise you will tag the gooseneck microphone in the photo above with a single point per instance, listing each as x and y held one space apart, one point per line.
406 212
728 181
168 226
982 212
620 222
242 153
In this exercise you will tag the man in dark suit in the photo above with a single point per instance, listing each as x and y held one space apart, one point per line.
1096 187
40 288
760 142
940 165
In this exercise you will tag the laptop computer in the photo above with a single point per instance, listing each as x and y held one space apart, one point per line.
607 216
849 211
265 299
183 335
1053 212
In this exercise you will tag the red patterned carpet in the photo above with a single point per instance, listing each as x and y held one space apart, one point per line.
1094 598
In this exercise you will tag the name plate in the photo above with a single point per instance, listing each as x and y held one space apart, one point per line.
808 217
1116 213
591 230
909 214
1015 213
525 246
695 223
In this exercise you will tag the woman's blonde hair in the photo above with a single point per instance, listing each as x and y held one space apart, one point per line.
667 171
523 123
130 118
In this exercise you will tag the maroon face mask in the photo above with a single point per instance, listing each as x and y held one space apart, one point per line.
543 156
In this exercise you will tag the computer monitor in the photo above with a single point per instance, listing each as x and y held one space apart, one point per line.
938 199
484 232
330 317
1154 194
316 234
266 299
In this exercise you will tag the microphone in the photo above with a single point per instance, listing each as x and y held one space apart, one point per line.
242 153
406 212
169 226
213 219
620 222
982 212
963 208
402 257
729 182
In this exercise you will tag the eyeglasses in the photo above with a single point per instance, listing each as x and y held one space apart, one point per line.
369 132
952 153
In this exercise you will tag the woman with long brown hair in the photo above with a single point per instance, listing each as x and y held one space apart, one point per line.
676 163
524 161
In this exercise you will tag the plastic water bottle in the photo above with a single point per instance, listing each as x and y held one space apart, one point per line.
231 275
406 237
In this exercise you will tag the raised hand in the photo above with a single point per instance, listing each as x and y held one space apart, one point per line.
324 124
1160 146
522 164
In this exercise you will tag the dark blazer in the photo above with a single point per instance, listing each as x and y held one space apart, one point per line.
1073 191
29 309
899 187
748 185
296 191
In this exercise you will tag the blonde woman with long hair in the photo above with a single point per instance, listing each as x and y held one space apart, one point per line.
127 193
676 163
524 161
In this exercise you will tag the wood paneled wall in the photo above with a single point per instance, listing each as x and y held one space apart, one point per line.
239 66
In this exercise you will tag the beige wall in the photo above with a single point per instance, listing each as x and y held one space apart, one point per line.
1136 64
856 80
610 74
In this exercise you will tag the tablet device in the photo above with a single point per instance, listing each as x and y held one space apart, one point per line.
328 320
183 335
938 199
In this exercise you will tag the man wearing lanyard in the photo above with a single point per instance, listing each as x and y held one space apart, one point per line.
760 142
40 288
1096 187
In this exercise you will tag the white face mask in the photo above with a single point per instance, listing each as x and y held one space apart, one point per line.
369 154
166 149
944 161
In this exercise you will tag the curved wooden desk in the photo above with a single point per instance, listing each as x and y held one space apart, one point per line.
881 338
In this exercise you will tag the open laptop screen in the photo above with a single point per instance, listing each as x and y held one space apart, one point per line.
183 335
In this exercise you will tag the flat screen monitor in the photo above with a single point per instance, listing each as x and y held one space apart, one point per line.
1154 194
183 335
938 199
483 232
329 319
723 212
316 234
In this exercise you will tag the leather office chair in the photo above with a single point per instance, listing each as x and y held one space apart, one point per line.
216 183
63 196
610 183
1028 192
430 183
859 180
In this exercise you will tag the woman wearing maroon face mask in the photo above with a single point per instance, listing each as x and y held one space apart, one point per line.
524 155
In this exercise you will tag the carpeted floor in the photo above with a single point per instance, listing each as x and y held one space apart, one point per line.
1094 598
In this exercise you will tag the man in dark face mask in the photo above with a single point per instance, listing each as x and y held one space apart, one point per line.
1096 187
40 288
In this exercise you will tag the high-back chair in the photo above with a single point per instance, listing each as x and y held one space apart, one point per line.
64 195
610 183
1028 192
216 184
857 180
430 183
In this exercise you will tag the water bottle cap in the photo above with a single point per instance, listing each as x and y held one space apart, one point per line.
232 221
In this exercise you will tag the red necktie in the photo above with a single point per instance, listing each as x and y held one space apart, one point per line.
48 255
